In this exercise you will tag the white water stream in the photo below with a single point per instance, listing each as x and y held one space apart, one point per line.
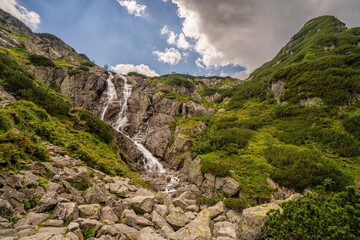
150 163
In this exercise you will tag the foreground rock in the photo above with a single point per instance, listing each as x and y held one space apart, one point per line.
252 220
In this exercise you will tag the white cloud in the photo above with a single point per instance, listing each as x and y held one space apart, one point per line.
241 75
199 64
30 18
175 39
133 7
171 56
171 38
250 32
126 68
164 30
182 43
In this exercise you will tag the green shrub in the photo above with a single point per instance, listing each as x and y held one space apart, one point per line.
316 216
74 72
84 68
27 204
136 74
5 123
89 232
83 55
239 204
95 125
21 84
81 185
299 169
39 60
88 64
42 182
210 201
217 168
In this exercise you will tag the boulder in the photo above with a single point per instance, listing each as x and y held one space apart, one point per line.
44 236
95 194
32 219
199 228
53 230
233 216
252 220
14 197
73 226
166 232
91 223
158 221
231 186
53 223
6 208
119 189
68 211
4 223
225 229
143 204
10 180
177 219
107 214
162 210
72 236
8 234
26 233
91 211
195 174
127 231
149 234
48 202
133 220
109 230
216 210
178 202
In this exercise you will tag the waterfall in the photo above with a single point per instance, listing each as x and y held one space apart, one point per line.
122 117
110 95
151 163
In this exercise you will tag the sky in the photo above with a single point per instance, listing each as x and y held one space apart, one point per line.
197 37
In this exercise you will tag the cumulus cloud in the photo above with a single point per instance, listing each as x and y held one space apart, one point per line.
250 32
30 18
199 64
126 68
175 39
133 7
171 56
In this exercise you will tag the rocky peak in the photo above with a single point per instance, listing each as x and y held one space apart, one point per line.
9 21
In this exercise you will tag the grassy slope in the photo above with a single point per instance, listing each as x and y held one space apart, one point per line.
24 125
311 145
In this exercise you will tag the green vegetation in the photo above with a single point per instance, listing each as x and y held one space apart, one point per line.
39 60
80 185
89 232
42 182
33 123
136 74
31 204
237 204
95 125
301 168
309 139
317 216
22 85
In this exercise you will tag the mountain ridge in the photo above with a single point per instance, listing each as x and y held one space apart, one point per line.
232 144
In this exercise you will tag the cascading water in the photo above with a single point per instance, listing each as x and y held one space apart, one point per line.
110 95
151 163
122 118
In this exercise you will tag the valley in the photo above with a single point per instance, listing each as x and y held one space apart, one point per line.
88 153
